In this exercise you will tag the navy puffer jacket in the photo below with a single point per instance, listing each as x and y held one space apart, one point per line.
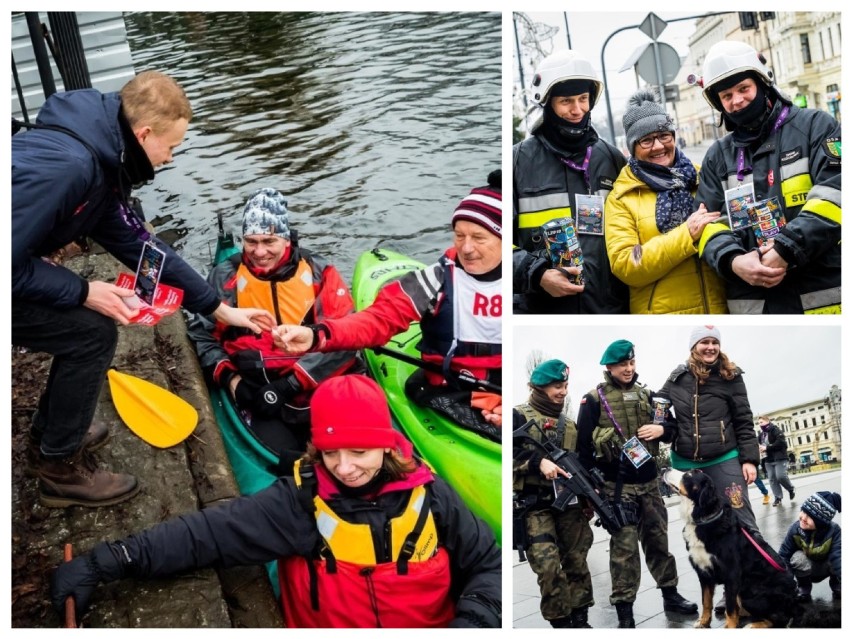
62 192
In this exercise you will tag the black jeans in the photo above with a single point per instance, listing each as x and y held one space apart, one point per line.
82 343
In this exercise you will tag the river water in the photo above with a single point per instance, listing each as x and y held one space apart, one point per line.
374 125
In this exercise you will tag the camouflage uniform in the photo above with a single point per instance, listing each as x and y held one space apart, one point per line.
631 408
652 531
558 542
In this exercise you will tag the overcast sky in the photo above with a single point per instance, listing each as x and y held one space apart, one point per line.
589 31
783 365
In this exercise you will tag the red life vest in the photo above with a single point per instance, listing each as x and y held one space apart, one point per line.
345 587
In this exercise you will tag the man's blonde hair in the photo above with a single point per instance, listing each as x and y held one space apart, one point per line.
156 100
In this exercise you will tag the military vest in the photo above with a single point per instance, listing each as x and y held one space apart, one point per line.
550 427
631 409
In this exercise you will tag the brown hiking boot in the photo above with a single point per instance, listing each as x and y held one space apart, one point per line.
95 438
77 481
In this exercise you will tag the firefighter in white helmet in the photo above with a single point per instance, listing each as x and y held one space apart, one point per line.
564 170
781 252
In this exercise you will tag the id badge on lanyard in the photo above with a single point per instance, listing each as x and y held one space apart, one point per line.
738 200
590 214
635 451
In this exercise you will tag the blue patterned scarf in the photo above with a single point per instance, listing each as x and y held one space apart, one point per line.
673 185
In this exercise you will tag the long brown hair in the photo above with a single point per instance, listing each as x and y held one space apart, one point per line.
394 465
727 369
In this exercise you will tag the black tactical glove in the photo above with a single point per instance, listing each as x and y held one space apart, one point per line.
78 577
270 398
245 392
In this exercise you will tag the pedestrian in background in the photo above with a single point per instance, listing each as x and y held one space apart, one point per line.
775 446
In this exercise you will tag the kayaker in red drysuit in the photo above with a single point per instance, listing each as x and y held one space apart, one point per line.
295 285
458 302
365 534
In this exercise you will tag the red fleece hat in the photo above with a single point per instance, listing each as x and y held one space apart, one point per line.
350 411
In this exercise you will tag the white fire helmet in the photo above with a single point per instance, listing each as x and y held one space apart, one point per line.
559 67
728 58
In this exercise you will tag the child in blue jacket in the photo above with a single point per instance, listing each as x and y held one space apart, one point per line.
812 545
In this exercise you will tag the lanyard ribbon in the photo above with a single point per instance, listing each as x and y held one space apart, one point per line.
584 168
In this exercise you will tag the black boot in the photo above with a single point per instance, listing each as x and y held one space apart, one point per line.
580 617
803 592
624 611
562 622
674 602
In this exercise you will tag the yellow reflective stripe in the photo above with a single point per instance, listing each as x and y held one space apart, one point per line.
533 220
823 208
825 310
825 298
709 231
795 190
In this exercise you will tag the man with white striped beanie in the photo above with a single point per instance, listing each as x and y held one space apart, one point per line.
459 304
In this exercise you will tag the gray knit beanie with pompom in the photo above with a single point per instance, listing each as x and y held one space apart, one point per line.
644 116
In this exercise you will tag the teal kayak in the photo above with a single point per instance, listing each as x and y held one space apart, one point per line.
469 462
251 461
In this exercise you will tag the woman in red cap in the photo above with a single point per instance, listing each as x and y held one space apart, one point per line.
364 533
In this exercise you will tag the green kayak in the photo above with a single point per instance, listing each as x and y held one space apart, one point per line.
469 462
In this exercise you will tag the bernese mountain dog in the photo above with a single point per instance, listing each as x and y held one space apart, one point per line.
757 583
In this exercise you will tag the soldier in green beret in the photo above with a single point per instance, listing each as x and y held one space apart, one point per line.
557 542
616 435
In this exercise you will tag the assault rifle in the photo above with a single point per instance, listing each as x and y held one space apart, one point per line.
580 481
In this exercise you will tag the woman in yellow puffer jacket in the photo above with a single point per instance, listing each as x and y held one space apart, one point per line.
651 230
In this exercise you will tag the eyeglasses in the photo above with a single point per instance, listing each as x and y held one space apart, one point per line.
664 138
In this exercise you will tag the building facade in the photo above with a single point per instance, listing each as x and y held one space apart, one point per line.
802 49
812 429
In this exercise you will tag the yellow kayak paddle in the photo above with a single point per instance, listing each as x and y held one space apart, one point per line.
154 414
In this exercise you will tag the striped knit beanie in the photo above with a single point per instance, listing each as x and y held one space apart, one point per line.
822 506
484 205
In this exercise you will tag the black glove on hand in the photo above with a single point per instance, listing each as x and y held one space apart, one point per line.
78 577
270 398
245 392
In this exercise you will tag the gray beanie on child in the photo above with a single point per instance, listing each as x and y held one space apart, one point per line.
644 116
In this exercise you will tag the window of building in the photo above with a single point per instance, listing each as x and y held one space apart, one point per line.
806 48
822 45
830 43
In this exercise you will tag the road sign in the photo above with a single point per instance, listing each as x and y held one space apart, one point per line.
646 65
652 26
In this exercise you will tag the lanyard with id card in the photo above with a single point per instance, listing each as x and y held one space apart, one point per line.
590 214
635 451
738 200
